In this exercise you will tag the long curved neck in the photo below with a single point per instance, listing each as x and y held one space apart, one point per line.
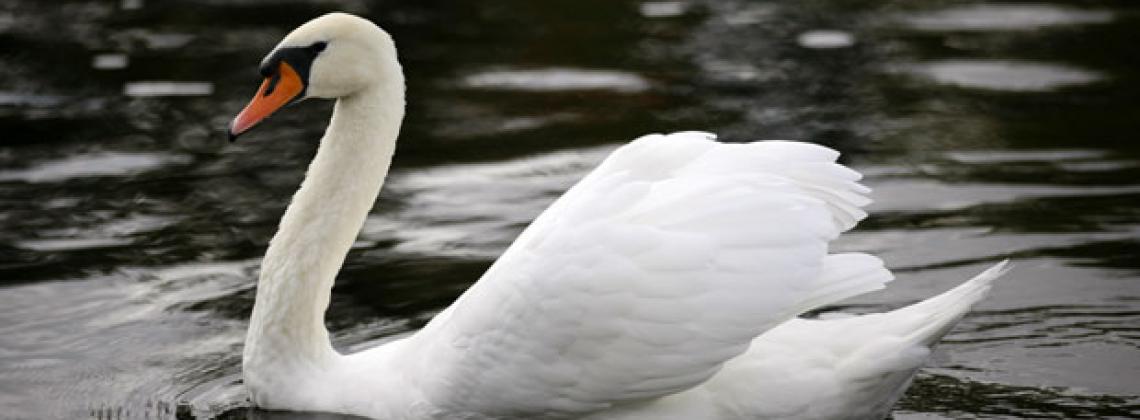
321 224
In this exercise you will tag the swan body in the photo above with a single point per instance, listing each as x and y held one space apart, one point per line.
664 285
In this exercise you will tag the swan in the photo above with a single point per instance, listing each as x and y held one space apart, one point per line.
664 285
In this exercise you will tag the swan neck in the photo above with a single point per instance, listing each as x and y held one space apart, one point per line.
320 226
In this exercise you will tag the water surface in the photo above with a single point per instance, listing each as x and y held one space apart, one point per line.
131 231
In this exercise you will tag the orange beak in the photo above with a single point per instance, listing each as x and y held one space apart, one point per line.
275 92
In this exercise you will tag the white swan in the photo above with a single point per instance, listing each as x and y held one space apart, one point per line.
642 293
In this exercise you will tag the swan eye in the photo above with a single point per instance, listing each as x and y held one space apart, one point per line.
301 58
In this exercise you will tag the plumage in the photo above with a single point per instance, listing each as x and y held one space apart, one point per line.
701 260
665 284
854 367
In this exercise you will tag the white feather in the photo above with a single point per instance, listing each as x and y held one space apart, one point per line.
843 368
707 260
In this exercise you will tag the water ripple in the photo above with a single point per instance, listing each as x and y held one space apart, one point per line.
558 79
1005 16
99 164
1003 75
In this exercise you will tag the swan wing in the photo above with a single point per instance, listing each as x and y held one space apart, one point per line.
647 276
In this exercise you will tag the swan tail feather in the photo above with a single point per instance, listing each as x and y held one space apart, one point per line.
935 317
847 275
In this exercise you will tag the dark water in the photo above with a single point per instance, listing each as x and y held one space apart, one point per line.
131 231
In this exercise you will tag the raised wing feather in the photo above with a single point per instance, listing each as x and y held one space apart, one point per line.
646 277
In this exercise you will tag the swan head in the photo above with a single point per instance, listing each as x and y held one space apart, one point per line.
332 56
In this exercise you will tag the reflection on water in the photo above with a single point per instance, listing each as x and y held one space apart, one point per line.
824 39
10 99
92 165
1006 75
557 79
110 61
164 88
663 9
1004 16
131 231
